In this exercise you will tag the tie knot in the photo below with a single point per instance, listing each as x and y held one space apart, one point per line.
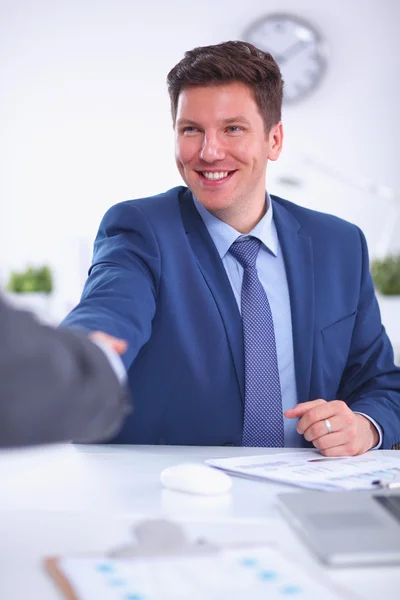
246 251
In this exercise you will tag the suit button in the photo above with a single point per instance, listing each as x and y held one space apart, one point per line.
228 444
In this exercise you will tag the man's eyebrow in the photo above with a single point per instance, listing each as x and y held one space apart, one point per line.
238 119
186 122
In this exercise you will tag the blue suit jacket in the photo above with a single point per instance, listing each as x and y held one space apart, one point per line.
158 282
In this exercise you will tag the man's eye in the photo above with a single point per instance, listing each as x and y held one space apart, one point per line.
234 129
189 129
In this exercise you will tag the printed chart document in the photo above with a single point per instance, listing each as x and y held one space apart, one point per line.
312 470
255 573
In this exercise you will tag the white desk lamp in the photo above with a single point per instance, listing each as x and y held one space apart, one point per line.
392 222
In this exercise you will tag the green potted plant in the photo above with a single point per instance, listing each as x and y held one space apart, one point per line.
31 289
386 275
31 280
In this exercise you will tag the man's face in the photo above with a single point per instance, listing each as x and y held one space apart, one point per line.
222 148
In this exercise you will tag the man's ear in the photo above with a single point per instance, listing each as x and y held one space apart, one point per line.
275 141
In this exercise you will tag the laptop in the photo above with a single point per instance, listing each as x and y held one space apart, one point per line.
347 528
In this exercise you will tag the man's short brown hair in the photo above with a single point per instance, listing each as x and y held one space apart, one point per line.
231 62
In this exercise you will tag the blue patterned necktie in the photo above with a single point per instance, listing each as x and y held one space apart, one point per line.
263 416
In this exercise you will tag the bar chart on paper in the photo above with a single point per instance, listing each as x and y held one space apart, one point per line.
312 470
256 573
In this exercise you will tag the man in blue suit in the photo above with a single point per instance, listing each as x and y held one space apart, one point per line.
311 363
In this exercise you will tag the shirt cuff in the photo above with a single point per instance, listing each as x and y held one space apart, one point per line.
378 428
114 360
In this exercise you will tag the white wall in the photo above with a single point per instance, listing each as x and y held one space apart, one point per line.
85 122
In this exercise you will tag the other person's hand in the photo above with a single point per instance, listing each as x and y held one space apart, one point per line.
119 346
334 428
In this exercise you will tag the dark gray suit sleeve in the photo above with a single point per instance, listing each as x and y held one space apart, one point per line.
54 385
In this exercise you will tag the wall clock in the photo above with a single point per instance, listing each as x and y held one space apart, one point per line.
297 47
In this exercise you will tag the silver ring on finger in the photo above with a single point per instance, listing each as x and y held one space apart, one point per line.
328 425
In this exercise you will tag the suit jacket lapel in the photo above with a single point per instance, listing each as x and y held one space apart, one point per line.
214 273
298 257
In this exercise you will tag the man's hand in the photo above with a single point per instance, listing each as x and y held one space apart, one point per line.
350 434
119 346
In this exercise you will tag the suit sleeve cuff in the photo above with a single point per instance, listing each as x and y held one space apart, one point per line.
377 427
114 360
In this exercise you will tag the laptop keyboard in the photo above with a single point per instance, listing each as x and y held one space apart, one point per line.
391 504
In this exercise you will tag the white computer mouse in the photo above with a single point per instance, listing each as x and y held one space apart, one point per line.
195 478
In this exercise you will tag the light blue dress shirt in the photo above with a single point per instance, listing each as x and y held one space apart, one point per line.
114 359
272 274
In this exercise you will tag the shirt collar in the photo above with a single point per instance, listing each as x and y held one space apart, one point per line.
223 235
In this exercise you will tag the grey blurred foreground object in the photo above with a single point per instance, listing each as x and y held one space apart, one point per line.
55 386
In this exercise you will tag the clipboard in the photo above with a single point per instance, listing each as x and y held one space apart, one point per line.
156 537
160 542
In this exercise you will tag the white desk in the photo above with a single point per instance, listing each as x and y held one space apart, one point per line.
86 498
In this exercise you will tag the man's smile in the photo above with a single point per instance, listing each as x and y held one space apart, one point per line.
215 177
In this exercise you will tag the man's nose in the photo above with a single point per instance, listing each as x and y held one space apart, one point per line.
212 149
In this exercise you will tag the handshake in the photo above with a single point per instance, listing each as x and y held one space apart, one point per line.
119 346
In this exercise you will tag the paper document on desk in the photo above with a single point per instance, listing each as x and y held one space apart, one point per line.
312 470
257 573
